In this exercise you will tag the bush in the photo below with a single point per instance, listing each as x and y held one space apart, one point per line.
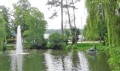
114 60
68 47
35 44
39 44
56 41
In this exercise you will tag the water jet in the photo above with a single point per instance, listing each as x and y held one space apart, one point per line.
19 47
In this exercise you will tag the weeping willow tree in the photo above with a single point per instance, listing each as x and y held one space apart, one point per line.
91 29
105 15
112 14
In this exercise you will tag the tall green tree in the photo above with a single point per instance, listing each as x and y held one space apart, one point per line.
112 14
5 15
105 15
92 20
2 30
22 10
32 22
4 26
36 28
96 28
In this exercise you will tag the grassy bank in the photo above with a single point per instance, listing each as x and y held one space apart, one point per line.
78 46
86 46
8 47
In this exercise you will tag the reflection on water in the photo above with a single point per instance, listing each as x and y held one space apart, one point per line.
83 62
53 63
60 63
16 62
53 60
98 62
68 62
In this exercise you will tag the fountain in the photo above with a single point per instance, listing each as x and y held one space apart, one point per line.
19 46
17 56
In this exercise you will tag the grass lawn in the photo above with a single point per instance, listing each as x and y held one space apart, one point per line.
86 46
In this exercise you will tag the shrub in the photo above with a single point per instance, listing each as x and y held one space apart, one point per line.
40 44
114 60
56 41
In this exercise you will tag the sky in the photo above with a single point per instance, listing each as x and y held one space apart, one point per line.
55 23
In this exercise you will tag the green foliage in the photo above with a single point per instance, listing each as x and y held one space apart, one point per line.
86 46
114 61
92 20
5 15
112 15
96 27
68 47
2 30
21 14
4 27
56 41
32 23
104 21
66 35
36 28
75 32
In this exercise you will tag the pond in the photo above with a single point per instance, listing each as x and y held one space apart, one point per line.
54 60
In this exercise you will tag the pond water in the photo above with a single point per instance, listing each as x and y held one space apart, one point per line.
54 60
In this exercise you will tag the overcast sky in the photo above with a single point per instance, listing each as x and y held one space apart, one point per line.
81 12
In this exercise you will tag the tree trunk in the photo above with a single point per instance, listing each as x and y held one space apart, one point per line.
61 16
74 15
68 13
